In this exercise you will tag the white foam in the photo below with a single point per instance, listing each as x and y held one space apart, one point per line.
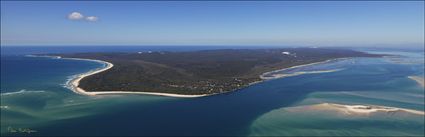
44 56
23 91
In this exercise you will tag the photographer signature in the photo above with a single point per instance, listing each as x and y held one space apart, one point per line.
20 130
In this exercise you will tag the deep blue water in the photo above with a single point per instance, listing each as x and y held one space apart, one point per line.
20 72
37 99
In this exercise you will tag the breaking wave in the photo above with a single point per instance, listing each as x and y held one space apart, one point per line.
23 91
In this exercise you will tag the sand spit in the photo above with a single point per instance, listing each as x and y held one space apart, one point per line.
360 109
418 79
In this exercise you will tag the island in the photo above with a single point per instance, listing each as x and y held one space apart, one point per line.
193 73
358 109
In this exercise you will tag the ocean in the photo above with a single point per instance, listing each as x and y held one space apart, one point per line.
36 100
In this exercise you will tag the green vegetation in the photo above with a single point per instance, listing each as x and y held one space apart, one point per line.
198 72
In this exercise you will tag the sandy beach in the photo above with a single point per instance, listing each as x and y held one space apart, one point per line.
275 76
418 79
73 84
359 109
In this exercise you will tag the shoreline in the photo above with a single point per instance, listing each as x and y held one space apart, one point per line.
360 109
418 79
73 83
276 76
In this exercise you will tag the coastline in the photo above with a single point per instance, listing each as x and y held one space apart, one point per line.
359 109
276 76
73 84
418 79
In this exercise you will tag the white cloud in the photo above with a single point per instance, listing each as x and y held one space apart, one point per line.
92 18
75 16
79 16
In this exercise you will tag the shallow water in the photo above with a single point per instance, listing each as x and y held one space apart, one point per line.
33 96
381 82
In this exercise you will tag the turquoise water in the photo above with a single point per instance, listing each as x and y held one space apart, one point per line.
370 81
34 97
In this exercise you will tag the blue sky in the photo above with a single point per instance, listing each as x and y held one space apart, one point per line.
212 23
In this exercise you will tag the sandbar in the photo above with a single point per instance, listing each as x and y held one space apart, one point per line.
360 109
418 79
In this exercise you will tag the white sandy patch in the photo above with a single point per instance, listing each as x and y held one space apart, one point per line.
360 109
275 76
267 76
418 79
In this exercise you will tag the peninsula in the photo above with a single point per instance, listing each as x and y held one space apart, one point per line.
193 73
